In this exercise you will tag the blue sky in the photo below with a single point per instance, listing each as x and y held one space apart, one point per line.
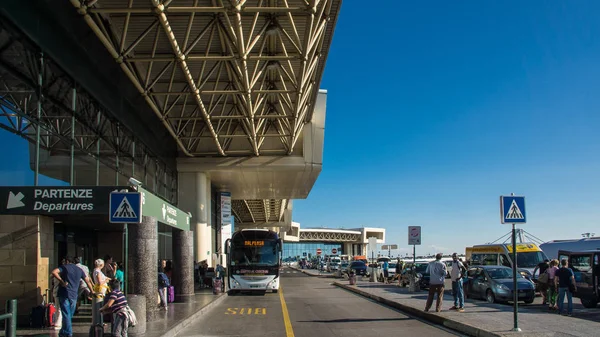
437 108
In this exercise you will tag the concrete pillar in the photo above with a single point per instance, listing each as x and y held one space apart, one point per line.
183 273
143 263
203 236
137 303
194 195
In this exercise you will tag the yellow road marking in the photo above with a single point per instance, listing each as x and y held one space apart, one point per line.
289 332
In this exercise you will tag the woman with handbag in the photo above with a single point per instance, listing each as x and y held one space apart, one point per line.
543 279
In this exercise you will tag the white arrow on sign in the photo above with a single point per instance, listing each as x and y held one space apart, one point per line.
14 201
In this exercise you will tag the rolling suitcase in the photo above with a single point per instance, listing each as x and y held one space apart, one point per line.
36 318
96 330
170 294
49 312
217 286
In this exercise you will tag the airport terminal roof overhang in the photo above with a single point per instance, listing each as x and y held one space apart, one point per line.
226 77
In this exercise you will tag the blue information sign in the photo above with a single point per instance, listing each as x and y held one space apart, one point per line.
512 209
125 207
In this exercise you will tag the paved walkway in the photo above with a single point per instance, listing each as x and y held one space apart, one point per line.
178 317
481 318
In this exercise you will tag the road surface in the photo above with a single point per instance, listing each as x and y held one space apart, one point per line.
307 307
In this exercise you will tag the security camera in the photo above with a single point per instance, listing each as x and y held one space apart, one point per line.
135 182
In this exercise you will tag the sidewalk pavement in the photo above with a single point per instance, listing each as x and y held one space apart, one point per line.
169 323
480 318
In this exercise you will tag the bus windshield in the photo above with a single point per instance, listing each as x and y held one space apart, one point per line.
265 254
530 259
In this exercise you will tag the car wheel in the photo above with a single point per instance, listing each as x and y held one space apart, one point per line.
275 291
529 300
589 302
489 296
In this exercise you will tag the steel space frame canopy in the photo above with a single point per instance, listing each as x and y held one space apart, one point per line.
227 78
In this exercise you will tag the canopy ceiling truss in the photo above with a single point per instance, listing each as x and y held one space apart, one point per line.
259 212
329 236
226 78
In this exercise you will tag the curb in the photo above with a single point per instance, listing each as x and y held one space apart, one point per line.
187 321
439 320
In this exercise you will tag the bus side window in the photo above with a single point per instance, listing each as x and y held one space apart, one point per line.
504 261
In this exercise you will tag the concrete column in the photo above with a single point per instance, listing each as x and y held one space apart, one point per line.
143 263
137 303
183 273
194 195
202 230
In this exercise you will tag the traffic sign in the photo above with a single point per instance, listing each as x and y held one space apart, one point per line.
512 209
333 251
125 207
414 235
319 251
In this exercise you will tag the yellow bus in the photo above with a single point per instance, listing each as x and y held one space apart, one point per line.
529 255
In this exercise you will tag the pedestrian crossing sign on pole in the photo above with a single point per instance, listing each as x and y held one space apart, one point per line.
512 209
125 207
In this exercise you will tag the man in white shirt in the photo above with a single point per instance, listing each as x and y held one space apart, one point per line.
456 274
437 274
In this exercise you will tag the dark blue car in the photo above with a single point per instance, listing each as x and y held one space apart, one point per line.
359 268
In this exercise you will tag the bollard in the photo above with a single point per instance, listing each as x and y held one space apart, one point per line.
352 278
10 326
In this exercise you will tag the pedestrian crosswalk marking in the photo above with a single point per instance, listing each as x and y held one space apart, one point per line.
125 211
514 212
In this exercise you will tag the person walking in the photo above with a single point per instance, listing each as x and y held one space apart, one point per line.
456 274
163 285
542 286
68 276
564 280
552 291
437 274
117 305
84 291
386 272
399 267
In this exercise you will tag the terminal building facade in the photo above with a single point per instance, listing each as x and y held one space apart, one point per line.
304 242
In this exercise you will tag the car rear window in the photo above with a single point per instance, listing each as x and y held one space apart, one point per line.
357 264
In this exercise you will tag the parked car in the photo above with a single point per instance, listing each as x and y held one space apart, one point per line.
422 275
495 284
359 268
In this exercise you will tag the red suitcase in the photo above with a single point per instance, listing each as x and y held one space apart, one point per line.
50 312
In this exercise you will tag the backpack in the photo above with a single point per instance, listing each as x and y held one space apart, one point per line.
163 280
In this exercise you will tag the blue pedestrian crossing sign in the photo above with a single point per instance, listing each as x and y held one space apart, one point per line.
512 209
125 207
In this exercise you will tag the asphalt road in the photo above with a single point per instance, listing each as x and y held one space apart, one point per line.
314 308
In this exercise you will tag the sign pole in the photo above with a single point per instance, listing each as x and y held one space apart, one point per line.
126 251
515 289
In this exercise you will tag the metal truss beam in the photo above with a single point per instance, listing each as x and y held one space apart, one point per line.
219 68
42 104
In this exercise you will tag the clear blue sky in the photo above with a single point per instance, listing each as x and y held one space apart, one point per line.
435 109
